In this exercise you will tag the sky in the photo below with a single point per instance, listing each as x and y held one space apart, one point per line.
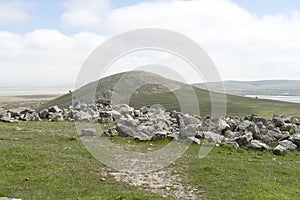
46 42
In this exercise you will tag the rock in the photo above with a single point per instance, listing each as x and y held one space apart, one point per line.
243 126
222 125
229 134
244 139
142 137
111 132
190 130
88 132
193 140
188 119
137 113
116 115
159 136
55 109
82 116
123 109
213 137
259 145
6 117
44 114
125 131
296 139
278 121
55 117
290 146
145 109
280 150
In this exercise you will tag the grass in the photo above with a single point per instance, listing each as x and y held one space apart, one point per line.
180 98
46 160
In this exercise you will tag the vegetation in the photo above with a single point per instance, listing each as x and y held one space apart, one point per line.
46 160
182 96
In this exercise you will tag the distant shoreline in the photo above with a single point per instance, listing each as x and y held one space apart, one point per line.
32 97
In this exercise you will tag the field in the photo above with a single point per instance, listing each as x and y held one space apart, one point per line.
46 160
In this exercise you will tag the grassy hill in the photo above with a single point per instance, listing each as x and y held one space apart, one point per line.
150 94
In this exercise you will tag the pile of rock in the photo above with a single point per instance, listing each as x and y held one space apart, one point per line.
155 123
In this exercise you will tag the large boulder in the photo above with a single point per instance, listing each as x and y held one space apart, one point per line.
213 137
290 146
82 116
6 117
55 109
244 139
296 139
280 150
259 145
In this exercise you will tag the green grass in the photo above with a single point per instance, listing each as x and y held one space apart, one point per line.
236 105
46 160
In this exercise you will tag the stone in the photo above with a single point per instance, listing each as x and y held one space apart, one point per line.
280 150
188 119
54 109
137 113
88 132
82 116
290 146
213 137
116 115
145 109
259 145
222 125
44 114
125 131
56 117
244 139
296 139
278 121
111 132
159 136
193 140
6 117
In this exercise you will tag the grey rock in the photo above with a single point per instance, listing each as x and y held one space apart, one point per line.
259 145
296 139
244 139
44 114
111 132
193 140
188 119
290 146
125 131
159 136
213 137
54 109
280 150
222 125
82 116
6 117
88 132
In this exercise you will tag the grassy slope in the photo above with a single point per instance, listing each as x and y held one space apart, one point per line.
59 167
236 105
56 163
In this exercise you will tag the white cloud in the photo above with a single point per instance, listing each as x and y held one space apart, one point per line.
43 57
85 13
243 46
14 11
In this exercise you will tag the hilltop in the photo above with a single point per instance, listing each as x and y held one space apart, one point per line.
150 94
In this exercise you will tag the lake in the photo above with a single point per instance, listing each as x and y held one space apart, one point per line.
293 99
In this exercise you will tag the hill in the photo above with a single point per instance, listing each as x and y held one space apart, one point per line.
166 92
265 87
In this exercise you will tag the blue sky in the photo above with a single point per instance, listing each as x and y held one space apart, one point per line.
47 41
47 13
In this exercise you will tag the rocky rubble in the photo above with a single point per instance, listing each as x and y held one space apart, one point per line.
154 123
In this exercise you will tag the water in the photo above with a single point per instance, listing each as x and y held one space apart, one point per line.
16 91
293 99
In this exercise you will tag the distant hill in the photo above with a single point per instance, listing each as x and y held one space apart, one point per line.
150 94
266 87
